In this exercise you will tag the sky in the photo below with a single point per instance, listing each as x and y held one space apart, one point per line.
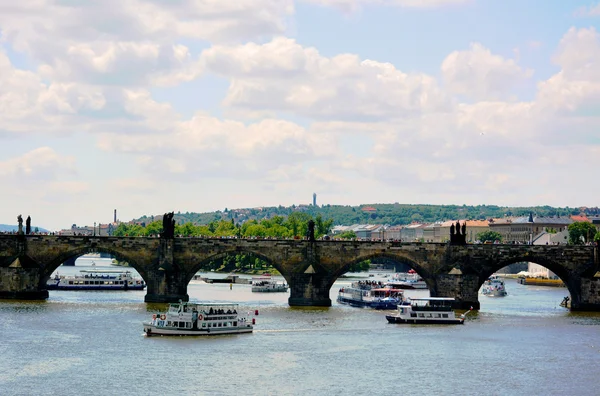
194 106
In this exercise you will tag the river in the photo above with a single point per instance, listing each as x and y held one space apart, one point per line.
79 343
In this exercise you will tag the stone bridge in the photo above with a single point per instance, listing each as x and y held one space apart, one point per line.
310 267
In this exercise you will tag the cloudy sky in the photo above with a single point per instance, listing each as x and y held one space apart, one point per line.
159 105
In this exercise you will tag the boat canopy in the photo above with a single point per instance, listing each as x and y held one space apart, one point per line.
206 304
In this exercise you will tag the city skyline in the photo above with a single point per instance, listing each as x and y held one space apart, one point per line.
198 106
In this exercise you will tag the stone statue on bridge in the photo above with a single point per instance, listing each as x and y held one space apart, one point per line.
168 226
20 220
310 233
458 238
28 225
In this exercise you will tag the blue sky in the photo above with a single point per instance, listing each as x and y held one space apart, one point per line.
153 106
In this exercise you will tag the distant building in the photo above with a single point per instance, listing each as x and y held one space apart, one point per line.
393 232
546 238
369 209
525 229
595 221
364 231
314 199
412 232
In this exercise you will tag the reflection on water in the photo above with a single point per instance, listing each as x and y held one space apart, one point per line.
80 342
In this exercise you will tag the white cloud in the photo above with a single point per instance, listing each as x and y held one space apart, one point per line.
576 88
131 42
33 22
39 164
293 120
353 5
479 74
28 104
284 76
492 143
206 144
590 11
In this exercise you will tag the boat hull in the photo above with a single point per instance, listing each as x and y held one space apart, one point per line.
541 282
151 330
87 288
93 287
496 293
270 290
367 304
400 320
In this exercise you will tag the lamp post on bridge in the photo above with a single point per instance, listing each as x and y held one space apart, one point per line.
94 228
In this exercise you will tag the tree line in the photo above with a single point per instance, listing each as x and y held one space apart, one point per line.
293 226
391 214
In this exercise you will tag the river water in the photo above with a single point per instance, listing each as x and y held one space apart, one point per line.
81 343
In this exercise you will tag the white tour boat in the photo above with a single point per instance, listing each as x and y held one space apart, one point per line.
192 319
370 294
100 279
494 287
409 280
429 310
267 284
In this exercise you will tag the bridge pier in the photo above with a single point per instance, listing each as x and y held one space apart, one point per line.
163 287
22 283
589 297
309 290
167 283
464 288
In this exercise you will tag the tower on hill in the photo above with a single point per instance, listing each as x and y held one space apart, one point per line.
314 199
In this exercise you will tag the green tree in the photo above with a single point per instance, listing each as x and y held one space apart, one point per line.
186 230
597 237
154 228
491 236
581 232
124 229
298 223
322 226
361 266
347 235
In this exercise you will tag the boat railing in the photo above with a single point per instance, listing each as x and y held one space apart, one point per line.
430 308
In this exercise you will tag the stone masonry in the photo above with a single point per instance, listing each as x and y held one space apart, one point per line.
309 267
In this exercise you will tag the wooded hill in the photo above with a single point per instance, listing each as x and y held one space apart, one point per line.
390 214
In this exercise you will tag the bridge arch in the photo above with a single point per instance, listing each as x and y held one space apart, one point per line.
232 252
80 251
560 270
398 258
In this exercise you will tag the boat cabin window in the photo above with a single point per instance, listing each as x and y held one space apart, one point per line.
444 315
413 315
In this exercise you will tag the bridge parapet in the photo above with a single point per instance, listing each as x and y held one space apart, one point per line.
310 267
